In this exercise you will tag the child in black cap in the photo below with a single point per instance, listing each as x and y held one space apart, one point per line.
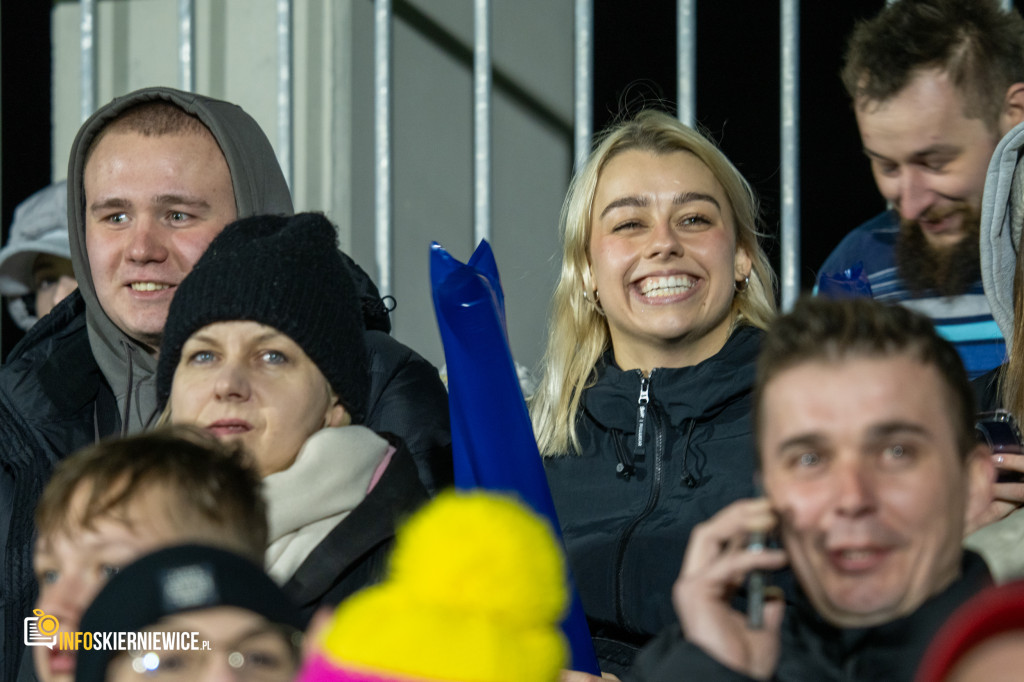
214 611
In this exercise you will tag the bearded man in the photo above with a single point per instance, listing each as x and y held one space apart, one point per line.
934 84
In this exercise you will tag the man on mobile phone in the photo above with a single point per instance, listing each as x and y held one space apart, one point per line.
864 421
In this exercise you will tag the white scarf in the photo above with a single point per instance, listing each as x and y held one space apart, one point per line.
328 479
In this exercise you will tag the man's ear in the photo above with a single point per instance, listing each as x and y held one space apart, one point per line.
1013 108
981 476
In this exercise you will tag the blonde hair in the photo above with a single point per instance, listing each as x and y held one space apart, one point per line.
577 332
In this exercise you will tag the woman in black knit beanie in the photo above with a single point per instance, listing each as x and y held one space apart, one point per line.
264 345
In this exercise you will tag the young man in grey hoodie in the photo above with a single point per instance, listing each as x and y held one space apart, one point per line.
153 176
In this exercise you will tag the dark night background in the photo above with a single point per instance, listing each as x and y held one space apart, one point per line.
737 102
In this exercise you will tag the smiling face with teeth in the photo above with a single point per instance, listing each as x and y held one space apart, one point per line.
153 204
860 459
664 259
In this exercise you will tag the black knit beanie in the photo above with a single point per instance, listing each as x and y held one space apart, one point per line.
175 580
285 272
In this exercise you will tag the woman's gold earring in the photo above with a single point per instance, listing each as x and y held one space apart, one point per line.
741 288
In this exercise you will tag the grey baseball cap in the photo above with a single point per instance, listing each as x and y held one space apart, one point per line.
40 225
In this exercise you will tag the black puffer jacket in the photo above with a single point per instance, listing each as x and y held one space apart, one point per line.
627 505
813 649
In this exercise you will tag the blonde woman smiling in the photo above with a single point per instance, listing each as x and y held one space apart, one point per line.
643 408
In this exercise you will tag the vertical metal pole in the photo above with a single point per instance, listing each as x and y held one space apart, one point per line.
790 137
88 46
284 88
686 60
382 141
481 121
187 45
584 85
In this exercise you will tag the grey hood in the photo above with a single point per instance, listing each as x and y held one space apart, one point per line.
1002 210
259 188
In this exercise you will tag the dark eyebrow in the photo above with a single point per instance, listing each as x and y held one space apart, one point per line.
634 200
264 337
933 150
688 197
180 200
876 432
269 336
112 202
895 427
159 200
803 440
639 201
203 338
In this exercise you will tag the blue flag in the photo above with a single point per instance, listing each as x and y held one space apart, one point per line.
493 445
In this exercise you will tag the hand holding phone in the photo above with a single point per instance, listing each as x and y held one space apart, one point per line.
717 564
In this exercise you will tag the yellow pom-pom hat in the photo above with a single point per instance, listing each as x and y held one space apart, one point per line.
475 593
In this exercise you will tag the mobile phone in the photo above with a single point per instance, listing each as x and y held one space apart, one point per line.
758 542
999 430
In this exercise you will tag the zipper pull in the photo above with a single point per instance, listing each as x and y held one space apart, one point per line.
641 416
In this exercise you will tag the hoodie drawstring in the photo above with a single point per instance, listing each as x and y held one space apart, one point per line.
624 467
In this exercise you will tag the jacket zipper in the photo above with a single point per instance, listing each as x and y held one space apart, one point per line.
645 414
641 415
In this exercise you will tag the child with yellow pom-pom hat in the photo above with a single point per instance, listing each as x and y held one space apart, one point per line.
475 592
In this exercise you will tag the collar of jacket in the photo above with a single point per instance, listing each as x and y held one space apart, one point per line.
37 370
681 393
910 635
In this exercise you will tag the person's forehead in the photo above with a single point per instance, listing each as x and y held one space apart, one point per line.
926 89
930 111
855 394
139 148
654 177
632 168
